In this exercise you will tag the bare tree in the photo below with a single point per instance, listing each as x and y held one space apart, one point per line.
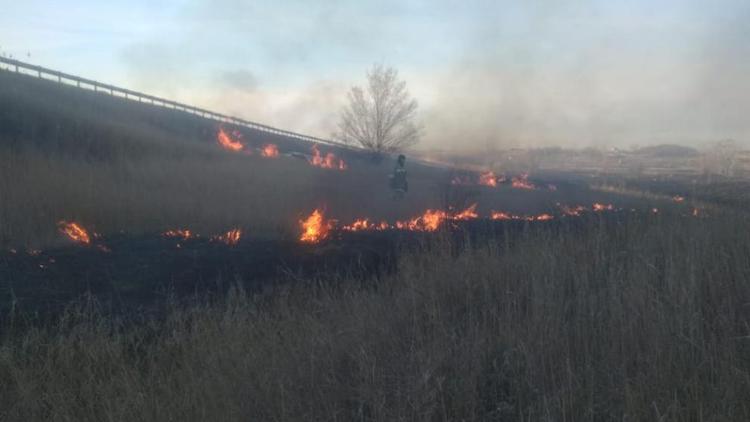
380 117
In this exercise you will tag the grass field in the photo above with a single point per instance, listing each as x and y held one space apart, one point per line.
646 320
644 317
116 165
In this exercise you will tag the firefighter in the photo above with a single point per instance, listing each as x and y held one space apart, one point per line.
399 185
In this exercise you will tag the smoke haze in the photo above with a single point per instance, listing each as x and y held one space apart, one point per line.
486 74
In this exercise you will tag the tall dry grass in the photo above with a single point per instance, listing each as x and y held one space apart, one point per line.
115 165
645 319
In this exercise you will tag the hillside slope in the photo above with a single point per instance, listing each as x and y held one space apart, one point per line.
116 164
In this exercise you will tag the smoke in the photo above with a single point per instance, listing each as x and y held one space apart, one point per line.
310 110
158 68
631 81
239 80
487 74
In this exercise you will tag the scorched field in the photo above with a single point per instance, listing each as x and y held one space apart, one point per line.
161 266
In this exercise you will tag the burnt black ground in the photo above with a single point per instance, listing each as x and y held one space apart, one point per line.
140 272
139 275
144 271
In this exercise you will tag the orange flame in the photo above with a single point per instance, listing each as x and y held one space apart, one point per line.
602 207
182 233
488 179
270 151
315 227
226 141
542 217
231 238
572 211
365 224
522 182
467 214
75 232
329 161
429 221
500 215
359 225
432 219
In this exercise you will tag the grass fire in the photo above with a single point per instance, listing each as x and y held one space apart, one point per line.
497 220
315 227
75 232
228 141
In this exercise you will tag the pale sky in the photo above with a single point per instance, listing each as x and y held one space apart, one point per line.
486 73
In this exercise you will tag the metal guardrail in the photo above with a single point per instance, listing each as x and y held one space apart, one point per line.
20 67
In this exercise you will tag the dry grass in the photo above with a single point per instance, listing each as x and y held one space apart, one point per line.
646 319
117 165
643 320
125 183
209 194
